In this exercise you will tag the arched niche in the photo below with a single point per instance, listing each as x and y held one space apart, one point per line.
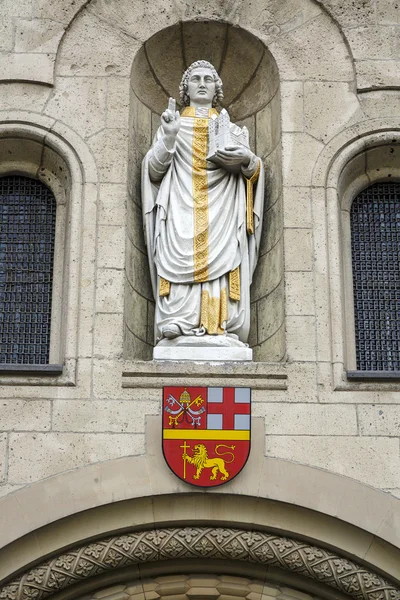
251 87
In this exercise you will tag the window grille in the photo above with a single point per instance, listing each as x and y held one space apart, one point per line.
27 233
375 237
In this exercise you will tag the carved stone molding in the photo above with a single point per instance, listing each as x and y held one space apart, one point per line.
129 549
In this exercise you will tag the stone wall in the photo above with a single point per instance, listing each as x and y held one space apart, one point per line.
67 69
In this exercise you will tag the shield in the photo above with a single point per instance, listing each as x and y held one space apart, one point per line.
206 433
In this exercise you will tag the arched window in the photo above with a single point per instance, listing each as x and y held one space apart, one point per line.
375 243
27 236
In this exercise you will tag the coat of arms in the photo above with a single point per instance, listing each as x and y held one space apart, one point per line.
206 433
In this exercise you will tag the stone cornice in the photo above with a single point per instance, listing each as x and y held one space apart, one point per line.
102 556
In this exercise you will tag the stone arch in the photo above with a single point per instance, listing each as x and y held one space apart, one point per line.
185 545
296 501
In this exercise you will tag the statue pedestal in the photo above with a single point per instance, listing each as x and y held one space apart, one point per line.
204 348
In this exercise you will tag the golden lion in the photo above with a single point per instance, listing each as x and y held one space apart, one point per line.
201 461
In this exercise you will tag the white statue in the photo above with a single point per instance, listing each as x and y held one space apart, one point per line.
202 195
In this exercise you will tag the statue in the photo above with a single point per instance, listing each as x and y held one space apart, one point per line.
202 195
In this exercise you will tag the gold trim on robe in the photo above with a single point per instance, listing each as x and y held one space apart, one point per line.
214 312
165 287
249 200
234 284
200 200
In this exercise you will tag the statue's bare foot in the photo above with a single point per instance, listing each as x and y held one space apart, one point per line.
171 331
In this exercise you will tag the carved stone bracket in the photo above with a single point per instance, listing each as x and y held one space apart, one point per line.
260 548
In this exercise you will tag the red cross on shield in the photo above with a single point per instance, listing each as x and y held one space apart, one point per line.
206 432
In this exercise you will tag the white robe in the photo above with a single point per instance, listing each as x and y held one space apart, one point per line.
173 223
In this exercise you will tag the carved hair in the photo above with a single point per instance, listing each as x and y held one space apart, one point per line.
184 85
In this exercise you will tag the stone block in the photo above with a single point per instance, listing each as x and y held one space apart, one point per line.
22 96
351 15
109 291
253 335
374 461
141 123
272 227
268 272
298 250
27 67
136 313
260 90
22 9
135 225
307 419
165 49
300 338
302 382
138 20
273 176
243 55
107 383
135 349
137 271
380 103
31 415
273 349
112 416
300 152
387 12
373 42
297 207
108 335
379 419
377 73
94 48
3 456
118 96
329 107
270 312
299 293
150 322
6 34
295 52
80 103
112 208
110 149
64 9
111 247
57 452
292 99
38 35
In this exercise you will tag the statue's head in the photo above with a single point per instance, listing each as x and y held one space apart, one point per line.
200 65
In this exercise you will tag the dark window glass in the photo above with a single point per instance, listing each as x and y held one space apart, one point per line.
27 232
375 236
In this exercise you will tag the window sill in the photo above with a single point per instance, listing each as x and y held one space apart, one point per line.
29 370
52 375
383 376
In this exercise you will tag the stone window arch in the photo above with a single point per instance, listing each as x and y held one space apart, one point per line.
369 194
32 155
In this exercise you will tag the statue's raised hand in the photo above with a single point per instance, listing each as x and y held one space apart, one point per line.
170 122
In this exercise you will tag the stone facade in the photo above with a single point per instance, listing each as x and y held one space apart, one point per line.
82 85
